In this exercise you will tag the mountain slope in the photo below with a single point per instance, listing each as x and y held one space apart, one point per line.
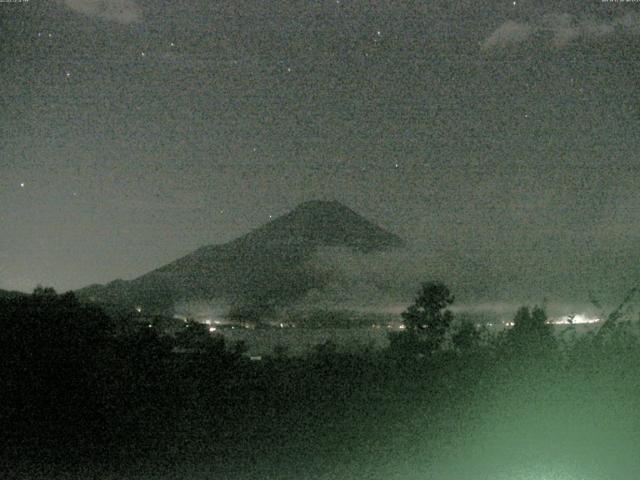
268 265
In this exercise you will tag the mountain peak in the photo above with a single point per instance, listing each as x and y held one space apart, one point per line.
324 223
272 262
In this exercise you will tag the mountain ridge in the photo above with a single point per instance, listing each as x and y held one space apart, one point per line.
270 264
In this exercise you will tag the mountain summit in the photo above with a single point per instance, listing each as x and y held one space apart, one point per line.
272 263
323 223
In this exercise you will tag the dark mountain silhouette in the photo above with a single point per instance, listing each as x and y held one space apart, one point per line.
269 265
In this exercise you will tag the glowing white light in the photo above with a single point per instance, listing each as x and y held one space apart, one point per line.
579 318
212 329
22 185
138 309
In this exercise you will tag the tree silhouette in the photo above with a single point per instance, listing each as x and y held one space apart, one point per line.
531 331
428 317
51 348
466 337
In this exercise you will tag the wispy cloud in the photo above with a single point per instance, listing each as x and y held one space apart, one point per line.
508 33
121 11
561 28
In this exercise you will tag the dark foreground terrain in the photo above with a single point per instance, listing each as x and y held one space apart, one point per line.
85 397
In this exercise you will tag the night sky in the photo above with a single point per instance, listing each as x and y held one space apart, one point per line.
501 139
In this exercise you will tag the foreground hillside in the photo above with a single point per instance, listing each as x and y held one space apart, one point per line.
80 400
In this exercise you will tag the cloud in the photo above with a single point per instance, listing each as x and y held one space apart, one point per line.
508 33
562 28
630 23
121 11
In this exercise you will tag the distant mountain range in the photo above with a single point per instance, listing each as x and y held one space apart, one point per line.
270 264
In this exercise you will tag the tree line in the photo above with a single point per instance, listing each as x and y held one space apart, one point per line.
76 379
